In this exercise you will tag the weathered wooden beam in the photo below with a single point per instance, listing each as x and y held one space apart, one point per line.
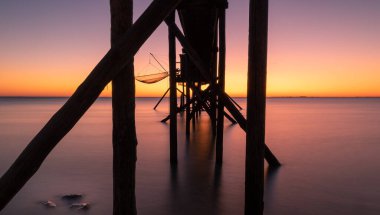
256 103
124 138
29 161
173 93
221 83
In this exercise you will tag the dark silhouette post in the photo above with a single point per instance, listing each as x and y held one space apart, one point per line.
173 93
187 109
221 83
124 138
212 100
256 96
29 161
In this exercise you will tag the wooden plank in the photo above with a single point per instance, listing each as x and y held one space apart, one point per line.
29 161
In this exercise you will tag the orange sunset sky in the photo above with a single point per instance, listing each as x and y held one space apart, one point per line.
316 48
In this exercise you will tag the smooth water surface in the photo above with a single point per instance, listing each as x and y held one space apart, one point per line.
330 150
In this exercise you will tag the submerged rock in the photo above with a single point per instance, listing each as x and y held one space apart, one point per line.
80 206
48 204
72 196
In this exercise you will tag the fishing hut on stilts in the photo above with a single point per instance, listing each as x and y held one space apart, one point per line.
202 76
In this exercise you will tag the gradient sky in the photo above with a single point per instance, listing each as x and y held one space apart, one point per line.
316 48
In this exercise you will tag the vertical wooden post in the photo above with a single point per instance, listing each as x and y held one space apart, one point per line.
124 138
221 83
187 109
256 102
183 95
214 59
173 93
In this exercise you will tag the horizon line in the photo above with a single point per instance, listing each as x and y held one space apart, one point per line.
109 97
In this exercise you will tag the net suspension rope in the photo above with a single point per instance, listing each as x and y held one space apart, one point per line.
154 77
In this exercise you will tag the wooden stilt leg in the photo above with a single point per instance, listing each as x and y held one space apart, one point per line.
221 83
256 102
187 110
173 94
124 140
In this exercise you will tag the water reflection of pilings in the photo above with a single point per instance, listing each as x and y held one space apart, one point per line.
196 179
271 175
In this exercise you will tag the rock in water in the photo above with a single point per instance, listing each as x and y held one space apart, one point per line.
72 196
48 204
80 206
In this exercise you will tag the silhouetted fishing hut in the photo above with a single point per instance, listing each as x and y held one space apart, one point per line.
202 63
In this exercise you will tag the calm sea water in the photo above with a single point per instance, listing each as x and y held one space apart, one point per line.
330 150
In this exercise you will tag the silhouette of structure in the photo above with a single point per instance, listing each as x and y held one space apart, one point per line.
202 64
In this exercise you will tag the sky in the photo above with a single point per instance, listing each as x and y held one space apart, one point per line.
316 48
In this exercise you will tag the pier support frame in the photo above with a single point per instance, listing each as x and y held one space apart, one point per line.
224 98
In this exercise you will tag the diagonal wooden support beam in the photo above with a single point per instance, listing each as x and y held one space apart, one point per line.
65 118
236 104
232 120
269 156
159 101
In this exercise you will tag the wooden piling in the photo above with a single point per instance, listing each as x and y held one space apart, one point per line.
214 59
221 83
256 102
29 161
124 138
173 93
187 109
